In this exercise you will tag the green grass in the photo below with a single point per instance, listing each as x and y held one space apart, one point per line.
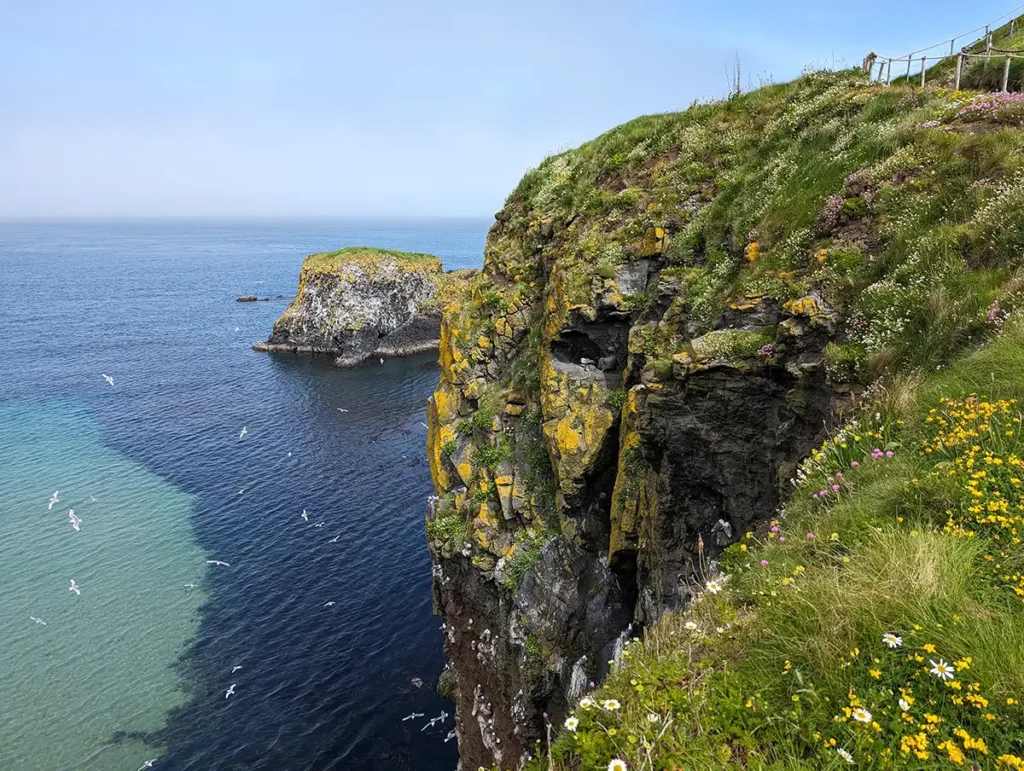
369 255
448 526
904 215
759 675
521 561
918 227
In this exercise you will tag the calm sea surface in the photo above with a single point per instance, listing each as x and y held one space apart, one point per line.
136 666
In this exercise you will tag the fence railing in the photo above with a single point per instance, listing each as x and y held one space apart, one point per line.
884 65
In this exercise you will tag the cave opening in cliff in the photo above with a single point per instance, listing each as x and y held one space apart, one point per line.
599 344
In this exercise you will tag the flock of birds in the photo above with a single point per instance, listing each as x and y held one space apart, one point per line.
76 524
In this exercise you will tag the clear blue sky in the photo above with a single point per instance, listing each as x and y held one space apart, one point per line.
379 107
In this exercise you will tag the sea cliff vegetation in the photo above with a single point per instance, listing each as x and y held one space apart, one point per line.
669 320
876 622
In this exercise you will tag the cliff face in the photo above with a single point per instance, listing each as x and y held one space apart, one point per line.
667 319
360 301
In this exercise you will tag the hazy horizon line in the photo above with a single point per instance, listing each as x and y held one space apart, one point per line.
247 218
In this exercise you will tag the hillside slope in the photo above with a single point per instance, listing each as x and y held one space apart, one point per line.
668 320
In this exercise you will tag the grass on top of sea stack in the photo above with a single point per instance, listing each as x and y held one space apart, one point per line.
368 257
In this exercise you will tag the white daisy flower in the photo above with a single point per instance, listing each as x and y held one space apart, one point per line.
571 723
861 715
691 625
610 704
904 705
941 670
617 765
652 718
586 702
892 640
714 586
845 755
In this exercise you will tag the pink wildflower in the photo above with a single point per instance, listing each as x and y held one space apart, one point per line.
764 563
835 488
810 536
854 464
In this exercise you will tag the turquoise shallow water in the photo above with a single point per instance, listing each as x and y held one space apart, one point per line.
136 667
100 663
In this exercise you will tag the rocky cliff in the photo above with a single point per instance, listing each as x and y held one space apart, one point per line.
361 301
667 321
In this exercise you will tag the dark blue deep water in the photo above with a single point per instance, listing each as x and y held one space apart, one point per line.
136 667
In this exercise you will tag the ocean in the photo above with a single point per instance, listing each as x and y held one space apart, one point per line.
322 627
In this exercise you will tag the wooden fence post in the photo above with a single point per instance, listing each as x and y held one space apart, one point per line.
908 67
922 71
1006 73
888 73
959 70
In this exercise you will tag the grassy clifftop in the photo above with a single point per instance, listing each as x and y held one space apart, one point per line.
814 254
897 204
877 622
368 257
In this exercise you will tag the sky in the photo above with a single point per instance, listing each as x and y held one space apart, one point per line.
381 108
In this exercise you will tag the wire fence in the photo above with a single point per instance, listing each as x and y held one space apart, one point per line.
880 68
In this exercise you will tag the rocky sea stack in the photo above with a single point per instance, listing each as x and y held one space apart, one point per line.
361 301
669 320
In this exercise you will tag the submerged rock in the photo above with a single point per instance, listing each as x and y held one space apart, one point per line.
247 298
359 301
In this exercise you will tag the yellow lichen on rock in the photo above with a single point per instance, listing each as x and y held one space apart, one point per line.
654 242
628 504
435 430
576 422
